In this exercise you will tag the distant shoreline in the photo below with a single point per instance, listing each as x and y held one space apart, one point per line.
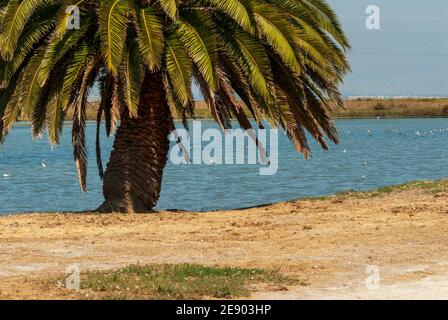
68 121
360 108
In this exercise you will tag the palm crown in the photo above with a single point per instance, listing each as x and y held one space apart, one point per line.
283 58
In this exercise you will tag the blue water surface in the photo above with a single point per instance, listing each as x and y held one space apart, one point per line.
372 153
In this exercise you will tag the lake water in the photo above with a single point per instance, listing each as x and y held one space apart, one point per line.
372 153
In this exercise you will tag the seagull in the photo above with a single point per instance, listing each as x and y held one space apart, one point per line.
418 133
44 163
364 177
6 175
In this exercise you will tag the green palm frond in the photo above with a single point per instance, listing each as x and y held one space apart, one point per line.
31 89
200 42
16 15
11 111
74 72
58 47
150 37
248 53
113 22
14 19
238 11
273 25
170 8
326 19
179 70
35 31
55 118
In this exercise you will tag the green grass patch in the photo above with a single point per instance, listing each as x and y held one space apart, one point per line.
183 281
430 187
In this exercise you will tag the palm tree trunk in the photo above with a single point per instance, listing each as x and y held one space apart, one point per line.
133 178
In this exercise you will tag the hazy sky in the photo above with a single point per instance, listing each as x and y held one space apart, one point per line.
407 56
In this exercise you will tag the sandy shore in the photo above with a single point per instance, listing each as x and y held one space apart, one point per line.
329 243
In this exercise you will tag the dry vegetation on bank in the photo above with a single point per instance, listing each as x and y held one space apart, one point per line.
359 108
394 108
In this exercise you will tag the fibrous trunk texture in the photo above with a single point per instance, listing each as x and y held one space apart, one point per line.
133 179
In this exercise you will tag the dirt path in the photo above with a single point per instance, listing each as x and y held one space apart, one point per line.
328 243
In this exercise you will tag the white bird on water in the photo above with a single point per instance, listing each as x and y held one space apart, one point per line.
6 175
44 163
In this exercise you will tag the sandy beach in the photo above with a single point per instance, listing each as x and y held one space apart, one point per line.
327 243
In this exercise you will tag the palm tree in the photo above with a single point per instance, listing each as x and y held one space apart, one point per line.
285 59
